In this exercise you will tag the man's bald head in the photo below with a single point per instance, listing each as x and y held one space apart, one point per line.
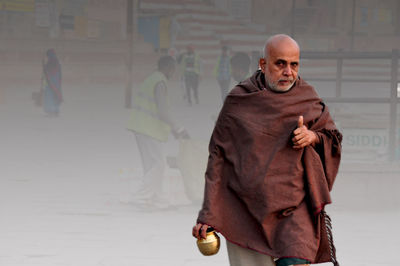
276 41
280 64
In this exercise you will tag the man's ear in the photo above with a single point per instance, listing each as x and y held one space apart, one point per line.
262 64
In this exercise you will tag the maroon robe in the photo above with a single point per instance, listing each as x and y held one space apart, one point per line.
260 193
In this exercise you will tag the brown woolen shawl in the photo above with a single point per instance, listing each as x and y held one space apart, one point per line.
260 193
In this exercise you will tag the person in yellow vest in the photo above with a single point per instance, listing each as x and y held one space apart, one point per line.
152 123
192 69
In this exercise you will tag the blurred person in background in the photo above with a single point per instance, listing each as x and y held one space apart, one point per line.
191 66
151 122
273 158
51 84
255 59
174 29
222 71
240 66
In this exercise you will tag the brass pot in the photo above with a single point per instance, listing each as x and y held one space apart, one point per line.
210 245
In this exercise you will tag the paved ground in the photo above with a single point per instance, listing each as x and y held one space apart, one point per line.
61 180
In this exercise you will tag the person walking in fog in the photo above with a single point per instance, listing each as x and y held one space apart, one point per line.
222 71
240 66
274 156
255 58
174 29
51 84
151 122
191 68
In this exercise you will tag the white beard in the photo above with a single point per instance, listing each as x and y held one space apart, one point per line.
275 87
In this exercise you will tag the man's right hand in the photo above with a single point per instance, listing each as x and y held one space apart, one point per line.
199 231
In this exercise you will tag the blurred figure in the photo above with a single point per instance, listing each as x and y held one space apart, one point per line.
240 65
51 84
222 71
174 29
152 123
255 58
191 69
173 52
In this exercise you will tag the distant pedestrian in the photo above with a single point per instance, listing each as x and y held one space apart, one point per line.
240 66
51 84
255 58
222 71
174 30
192 68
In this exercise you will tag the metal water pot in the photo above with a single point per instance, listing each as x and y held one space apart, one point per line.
210 245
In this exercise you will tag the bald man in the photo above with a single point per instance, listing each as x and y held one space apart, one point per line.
274 155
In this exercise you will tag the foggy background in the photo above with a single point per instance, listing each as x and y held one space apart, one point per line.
62 178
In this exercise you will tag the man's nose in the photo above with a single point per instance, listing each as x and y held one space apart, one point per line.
287 71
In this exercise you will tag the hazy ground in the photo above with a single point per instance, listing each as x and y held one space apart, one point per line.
61 180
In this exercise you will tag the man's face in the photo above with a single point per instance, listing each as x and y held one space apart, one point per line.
281 66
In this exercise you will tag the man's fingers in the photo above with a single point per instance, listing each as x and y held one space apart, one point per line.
299 146
302 141
300 130
204 231
297 131
298 136
300 121
196 229
200 231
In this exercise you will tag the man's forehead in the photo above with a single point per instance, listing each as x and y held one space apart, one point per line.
283 49
287 57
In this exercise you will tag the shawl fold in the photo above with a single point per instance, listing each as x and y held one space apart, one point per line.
260 193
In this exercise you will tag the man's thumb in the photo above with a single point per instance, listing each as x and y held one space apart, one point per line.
300 121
